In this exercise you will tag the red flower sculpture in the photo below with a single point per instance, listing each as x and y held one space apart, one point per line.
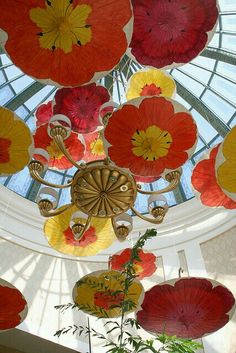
204 181
57 158
81 105
13 306
186 307
143 268
44 113
150 135
168 32
94 147
140 179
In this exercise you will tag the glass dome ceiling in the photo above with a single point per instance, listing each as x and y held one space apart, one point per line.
206 86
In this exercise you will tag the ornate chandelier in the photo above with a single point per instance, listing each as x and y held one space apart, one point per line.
98 189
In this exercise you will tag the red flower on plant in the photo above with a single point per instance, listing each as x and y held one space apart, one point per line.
12 305
148 137
108 300
168 32
205 182
44 113
57 159
144 267
69 43
81 105
186 307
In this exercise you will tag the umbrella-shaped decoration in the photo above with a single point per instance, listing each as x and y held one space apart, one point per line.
101 293
150 82
170 33
144 267
94 149
16 143
205 183
150 136
81 105
186 307
57 159
64 42
226 165
44 113
13 306
97 237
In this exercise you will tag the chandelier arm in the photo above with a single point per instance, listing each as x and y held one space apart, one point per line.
35 175
172 185
58 139
57 212
157 220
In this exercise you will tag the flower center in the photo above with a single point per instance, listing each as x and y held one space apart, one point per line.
108 299
152 143
151 90
62 25
4 150
138 268
97 147
54 151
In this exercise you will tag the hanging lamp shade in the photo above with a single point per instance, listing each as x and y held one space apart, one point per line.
57 159
13 306
205 183
186 307
94 147
101 293
44 113
63 42
225 166
144 267
150 136
150 82
16 143
81 105
171 33
97 237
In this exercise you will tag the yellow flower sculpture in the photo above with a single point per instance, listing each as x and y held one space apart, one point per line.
101 293
98 236
226 165
150 82
16 143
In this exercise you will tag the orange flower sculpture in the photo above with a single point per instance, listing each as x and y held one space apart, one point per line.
97 237
144 267
57 158
94 147
226 165
13 306
16 143
101 294
150 135
66 42
205 183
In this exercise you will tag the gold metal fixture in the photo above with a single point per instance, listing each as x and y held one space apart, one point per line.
100 189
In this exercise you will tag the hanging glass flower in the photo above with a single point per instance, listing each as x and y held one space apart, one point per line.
64 42
144 267
150 135
97 237
101 293
226 165
81 105
94 147
44 113
204 181
13 306
171 32
150 82
186 307
16 143
57 158
148 180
